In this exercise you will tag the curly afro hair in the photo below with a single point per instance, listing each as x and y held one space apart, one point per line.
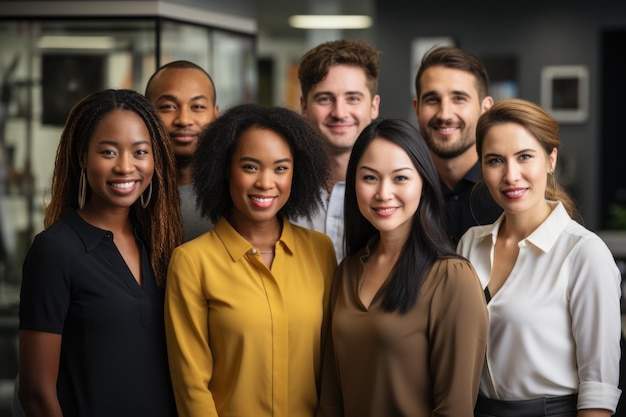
220 139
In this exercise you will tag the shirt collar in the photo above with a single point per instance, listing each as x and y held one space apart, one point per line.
90 235
474 174
543 237
546 235
237 246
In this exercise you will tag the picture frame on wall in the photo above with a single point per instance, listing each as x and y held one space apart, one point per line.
419 47
565 92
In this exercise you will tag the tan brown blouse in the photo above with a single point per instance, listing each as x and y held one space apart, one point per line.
426 362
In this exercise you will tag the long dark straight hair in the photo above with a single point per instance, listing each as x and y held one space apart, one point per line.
427 240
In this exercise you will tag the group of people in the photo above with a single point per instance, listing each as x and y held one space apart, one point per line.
262 262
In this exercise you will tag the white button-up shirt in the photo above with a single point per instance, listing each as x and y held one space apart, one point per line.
555 323
329 219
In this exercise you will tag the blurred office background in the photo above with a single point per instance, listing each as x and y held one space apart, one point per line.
564 54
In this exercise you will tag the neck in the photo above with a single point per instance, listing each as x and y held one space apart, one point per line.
338 166
183 170
392 242
261 234
116 220
451 171
519 226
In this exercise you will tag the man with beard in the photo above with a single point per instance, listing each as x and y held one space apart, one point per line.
184 96
451 94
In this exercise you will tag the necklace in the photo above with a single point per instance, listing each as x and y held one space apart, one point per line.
265 252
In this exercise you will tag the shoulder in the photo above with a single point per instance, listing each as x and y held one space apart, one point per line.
315 245
452 266
310 237
473 237
583 241
452 273
455 290
205 243
58 238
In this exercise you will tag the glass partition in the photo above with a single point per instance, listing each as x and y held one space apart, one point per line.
46 65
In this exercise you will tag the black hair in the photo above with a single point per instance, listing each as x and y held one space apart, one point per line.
180 64
427 239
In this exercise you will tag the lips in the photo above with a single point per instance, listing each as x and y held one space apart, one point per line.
447 129
262 201
124 187
184 137
514 193
385 211
340 127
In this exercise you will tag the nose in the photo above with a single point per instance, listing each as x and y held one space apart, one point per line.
265 180
183 117
340 109
125 164
511 173
445 109
384 191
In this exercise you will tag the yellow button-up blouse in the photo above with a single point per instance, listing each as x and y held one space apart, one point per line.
244 340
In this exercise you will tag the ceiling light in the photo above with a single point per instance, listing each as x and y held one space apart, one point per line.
330 21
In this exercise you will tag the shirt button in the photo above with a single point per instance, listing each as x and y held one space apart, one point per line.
455 197
253 251
107 235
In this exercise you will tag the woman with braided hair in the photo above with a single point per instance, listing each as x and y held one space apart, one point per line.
92 339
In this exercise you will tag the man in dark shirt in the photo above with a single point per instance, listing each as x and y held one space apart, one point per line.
185 98
451 94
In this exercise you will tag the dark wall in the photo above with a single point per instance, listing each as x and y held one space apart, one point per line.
566 33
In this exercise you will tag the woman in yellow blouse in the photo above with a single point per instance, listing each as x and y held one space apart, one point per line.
245 301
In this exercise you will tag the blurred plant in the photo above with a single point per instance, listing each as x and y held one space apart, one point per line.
617 217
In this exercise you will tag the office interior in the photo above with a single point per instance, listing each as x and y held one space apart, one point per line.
565 55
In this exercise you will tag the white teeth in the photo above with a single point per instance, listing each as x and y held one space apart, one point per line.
262 200
516 192
385 210
123 185
447 129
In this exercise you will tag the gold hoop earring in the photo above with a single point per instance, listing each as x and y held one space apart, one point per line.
146 201
82 189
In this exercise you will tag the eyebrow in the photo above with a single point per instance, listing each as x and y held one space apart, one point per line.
114 143
258 161
347 93
520 152
174 98
454 93
394 171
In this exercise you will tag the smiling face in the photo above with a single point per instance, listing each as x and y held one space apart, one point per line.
260 176
183 98
388 187
119 162
341 106
448 109
515 168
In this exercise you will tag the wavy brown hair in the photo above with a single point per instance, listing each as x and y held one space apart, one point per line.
541 125
315 64
159 224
